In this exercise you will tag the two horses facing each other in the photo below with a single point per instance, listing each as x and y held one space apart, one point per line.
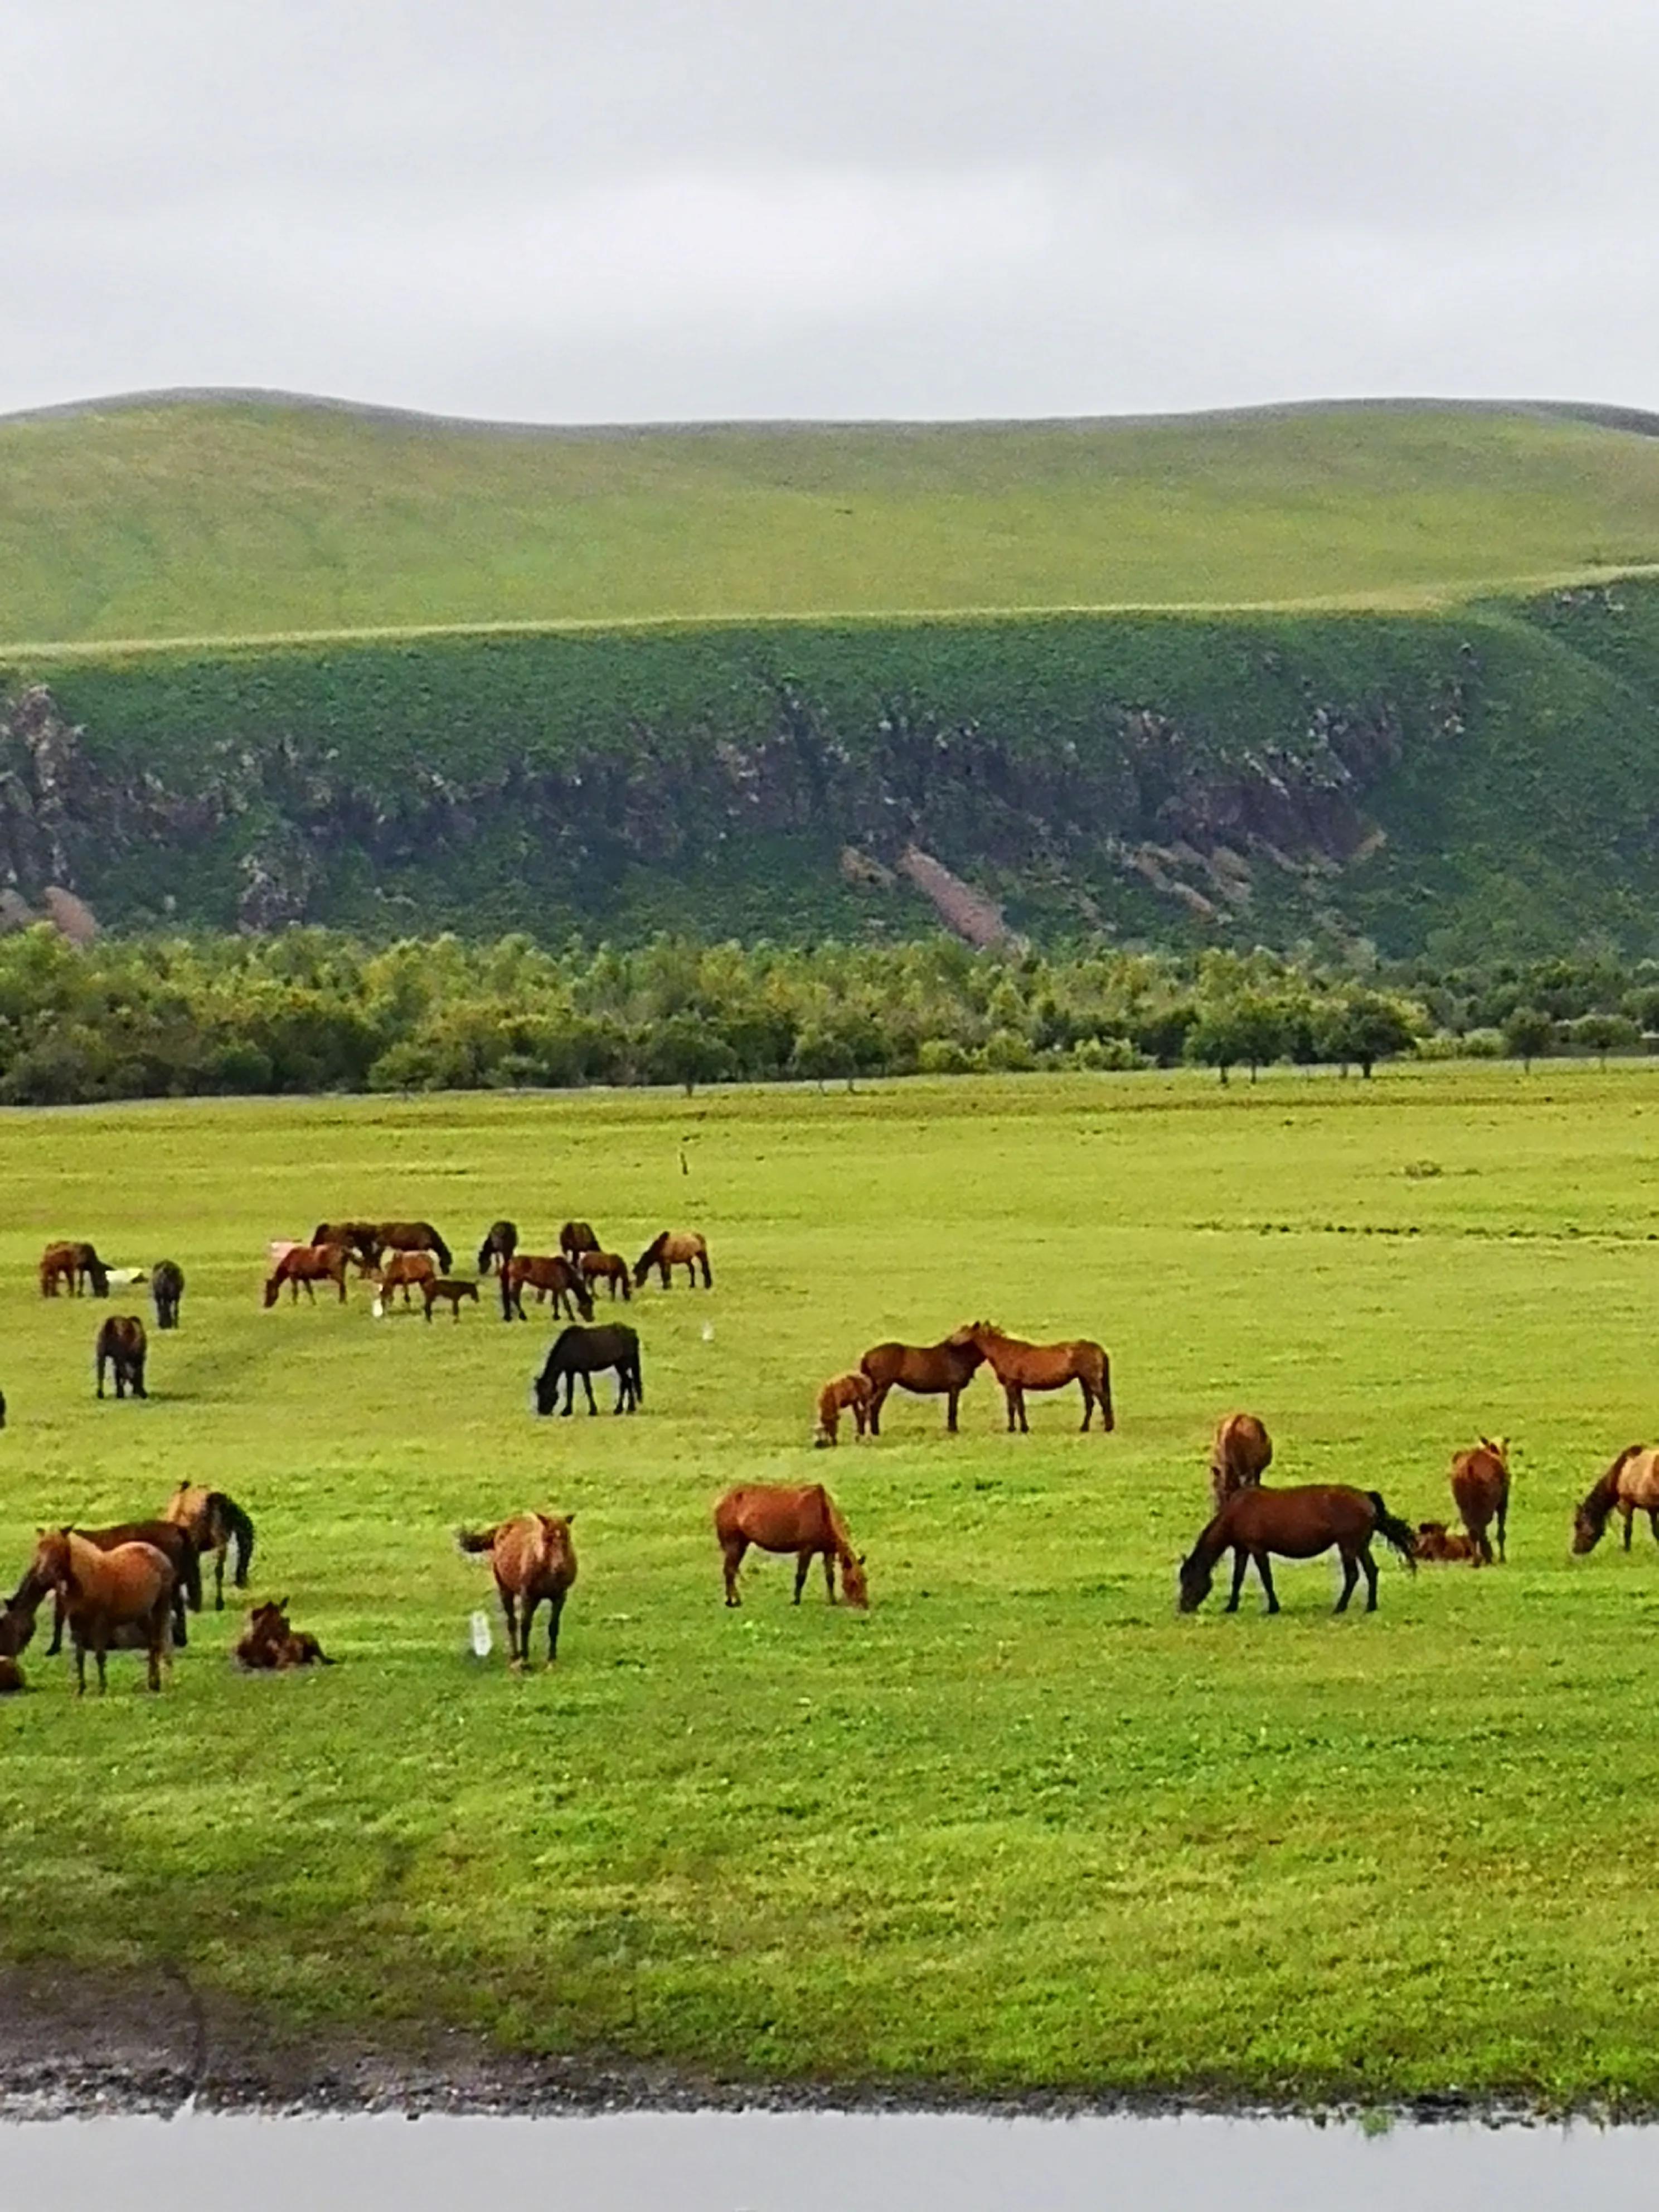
1297 1525
534 1563
945 1370
781 1517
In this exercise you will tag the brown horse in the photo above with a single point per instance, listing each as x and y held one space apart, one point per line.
1435 1541
577 1237
413 1236
270 1643
105 1593
213 1523
123 1345
1481 1491
174 1544
308 1264
77 1265
407 1272
931 1371
1020 1367
445 1287
360 1238
533 1559
1297 1525
606 1267
1240 1454
779 1517
675 1247
842 1393
550 1275
1630 1483
500 1243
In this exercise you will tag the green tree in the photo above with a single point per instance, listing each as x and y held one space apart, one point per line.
1528 1035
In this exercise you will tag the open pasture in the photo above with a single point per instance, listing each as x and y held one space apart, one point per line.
1020 1825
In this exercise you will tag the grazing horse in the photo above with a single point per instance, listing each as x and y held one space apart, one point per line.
105 1593
1630 1483
1435 1541
360 1238
166 1288
77 1265
213 1523
929 1369
779 1517
533 1559
445 1287
174 1544
270 1643
675 1247
414 1236
842 1393
608 1268
1240 1455
308 1264
1297 1525
1481 1491
1020 1367
577 1237
585 1352
500 1243
407 1272
548 1276
122 1345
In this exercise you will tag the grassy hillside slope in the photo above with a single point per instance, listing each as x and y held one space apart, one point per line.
202 519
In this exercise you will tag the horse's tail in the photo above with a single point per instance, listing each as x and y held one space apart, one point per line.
1393 1532
446 1258
476 1539
238 1528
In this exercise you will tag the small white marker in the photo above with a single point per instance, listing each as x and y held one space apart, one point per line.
378 1308
709 1332
482 1642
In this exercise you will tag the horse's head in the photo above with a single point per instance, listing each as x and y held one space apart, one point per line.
1197 1578
547 1388
269 1619
1588 1522
51 1563
854 1588
273 1285
16 1629
642 1265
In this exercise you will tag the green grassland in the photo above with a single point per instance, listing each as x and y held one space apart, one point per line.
1020 1825
204 520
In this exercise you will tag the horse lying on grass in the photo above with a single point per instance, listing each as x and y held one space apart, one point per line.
270 1643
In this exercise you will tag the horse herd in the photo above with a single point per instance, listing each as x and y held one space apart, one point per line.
130 1585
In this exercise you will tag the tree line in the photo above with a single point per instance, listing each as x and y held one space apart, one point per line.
310 1009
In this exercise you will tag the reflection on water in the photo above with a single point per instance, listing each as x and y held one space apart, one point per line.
819 2162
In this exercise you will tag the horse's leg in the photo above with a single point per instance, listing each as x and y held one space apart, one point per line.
1266 1574
1019 1402
1483 1545
138 1389
153 1672
569 1392
1369 1565
80 1665
180 1633
830 1576
951 1397
100 1649
511 1617
554 1607
100 1374
803 1561
219 1575
1503 1516
57 1643
1240 1561
1629 1512
878 1399
1088 1400
732 1558
588 1385
1350 1577
1653 1521
1010 1395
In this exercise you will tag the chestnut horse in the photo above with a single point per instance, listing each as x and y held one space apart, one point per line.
1481 1491
1020 1367
550 1275
1630 1483
77 1265
842 1393
675 1247
174 1544
105 1593
407 1272
779 1517
931 1371
307 1264
270 1642
500 1243
1240 1454
213 1523
533 1559
605 1267
1297 1525
122 1345
1435 1541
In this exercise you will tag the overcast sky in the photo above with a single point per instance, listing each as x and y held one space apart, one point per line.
606 210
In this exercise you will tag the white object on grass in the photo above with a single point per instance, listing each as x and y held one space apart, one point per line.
709 1332
377 1308
483 1645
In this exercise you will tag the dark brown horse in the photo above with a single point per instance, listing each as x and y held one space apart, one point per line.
577 1237
533 1559
123 1345
1481 1491
931 1371
270 1643
1019 1367
309 1264
675 1247
1297 1525
500 1243
779 1517
213 1523
414 1236
361 1239
1240 1455
445 1287
166 1288
1631 1485
551 1276
578 1354
105 1594
76 1265
608 1268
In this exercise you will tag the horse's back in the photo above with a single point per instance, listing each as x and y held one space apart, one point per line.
777 1516
1298 1522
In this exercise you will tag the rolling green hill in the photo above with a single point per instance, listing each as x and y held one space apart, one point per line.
1289 676
208 519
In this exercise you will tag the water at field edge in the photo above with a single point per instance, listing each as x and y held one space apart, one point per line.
818 2162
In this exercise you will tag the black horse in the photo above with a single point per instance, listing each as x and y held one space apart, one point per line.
167 1287
500 1243
585 1352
